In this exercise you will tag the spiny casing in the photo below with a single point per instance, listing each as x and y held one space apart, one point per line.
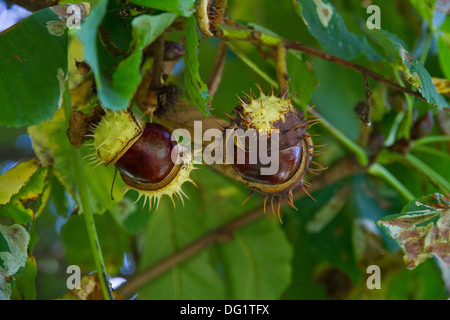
115 134
268 112
142 152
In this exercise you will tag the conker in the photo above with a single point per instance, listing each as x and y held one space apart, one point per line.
142 153
295 148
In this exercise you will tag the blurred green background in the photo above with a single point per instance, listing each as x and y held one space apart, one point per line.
328 264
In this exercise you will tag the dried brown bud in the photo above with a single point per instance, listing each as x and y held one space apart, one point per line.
362 110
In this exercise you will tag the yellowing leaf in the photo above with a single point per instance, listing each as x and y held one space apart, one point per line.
14 179
422 229
25 191
52 146
90 289
442 86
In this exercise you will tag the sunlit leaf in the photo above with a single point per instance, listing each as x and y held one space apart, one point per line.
14 179
442 86
33 62
30 198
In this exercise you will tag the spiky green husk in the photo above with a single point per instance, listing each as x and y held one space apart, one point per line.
269 112
114 135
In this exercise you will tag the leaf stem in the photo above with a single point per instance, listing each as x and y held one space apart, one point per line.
282 75
409 113
86 209
430 139
421 167
432 151
378 170
390 140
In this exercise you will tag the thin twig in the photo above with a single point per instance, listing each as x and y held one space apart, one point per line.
158 60
86 208
215 77
294 45
344 168
281 69
258 38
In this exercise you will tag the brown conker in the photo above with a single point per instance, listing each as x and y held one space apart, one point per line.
295 148
147 158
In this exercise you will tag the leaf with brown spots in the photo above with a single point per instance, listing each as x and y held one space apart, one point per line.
24 191
80 125
422 229
13 256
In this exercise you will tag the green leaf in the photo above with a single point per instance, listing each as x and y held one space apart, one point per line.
415 72
303 79
32 62
257 262
423 283
15 178
196 91
51 145
328 27
422 229
254 264
328 211
28 201
13 259
180 7
322 228
129 215
127 76
167 232
25 287
115 243
116 77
